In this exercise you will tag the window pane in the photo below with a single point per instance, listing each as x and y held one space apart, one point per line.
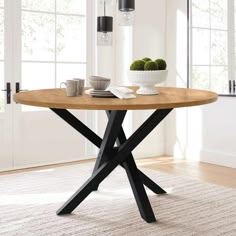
200 77
70 71
39 5
200 13
1 34
219 14
219 47
210 69
219 79
201 47
72 6
38 75
2 86
71 38
38 39
1 3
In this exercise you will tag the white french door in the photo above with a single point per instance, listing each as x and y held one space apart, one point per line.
6 111
46 42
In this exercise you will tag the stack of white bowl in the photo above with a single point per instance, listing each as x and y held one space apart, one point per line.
99 83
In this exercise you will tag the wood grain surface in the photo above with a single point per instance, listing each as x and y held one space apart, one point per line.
169 97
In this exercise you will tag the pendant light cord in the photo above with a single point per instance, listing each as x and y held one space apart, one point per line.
104 7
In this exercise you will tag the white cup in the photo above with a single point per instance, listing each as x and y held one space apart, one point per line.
80 86
71 87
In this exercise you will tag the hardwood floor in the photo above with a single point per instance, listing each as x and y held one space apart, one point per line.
198 170
204 172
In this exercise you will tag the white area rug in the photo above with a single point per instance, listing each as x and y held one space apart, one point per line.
28 202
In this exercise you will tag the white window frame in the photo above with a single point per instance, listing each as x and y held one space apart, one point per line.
231 42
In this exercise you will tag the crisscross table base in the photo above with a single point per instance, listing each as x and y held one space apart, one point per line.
111 156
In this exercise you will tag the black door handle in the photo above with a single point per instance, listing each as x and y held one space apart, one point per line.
8 90
18 88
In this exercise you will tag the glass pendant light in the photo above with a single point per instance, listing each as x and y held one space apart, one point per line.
126 12
104 29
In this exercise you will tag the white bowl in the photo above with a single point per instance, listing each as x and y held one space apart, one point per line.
147 80
99 83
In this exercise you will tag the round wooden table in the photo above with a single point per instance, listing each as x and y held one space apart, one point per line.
168 98
111 155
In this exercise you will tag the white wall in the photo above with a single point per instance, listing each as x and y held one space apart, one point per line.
205 133
150 28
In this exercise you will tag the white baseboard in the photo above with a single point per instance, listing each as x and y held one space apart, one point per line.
149 149
138 155
18 167
207 156
217 158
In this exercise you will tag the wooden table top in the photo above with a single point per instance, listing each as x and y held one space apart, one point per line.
169 97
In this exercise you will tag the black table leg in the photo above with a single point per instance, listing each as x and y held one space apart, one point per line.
79 126
96 140
135 180
146 180
110 136
139 192
109 158
151 184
